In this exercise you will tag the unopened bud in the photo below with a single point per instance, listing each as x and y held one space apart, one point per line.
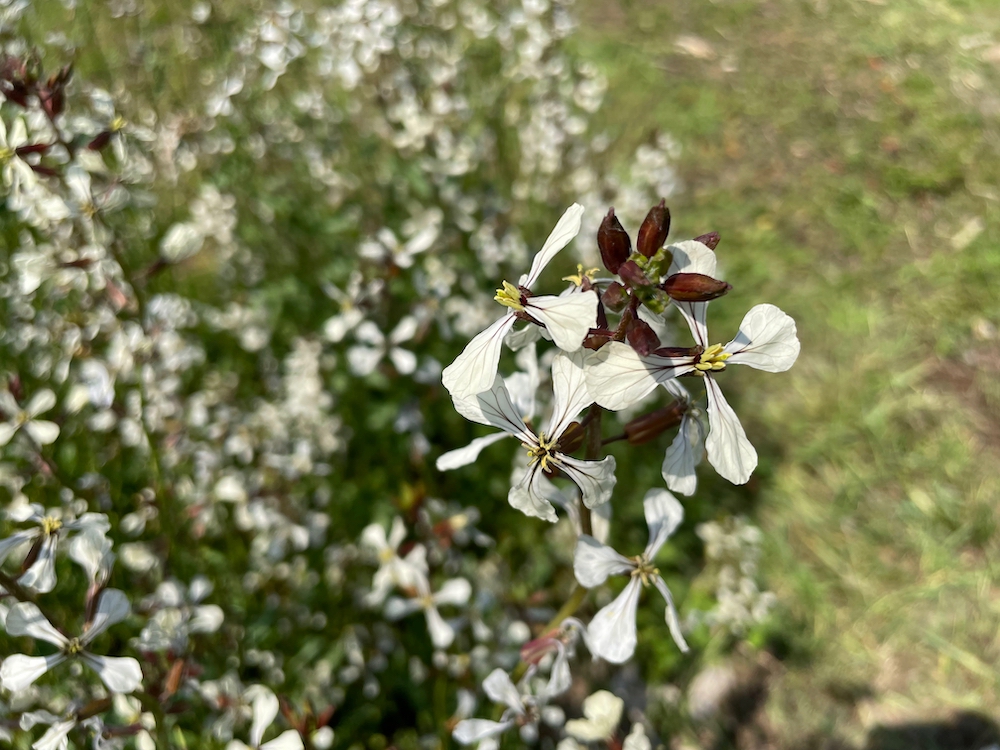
632 275
100 141
572 438
711 239
641 337
694 287
615 297
654 230
613 242
650 426
534 651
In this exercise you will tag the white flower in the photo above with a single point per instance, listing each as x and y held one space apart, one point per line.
568 319
685 453
618 377
522 711
265 709
56 737
455 591
364 358
612 633
637 739
121 674
40 430
603 711
393 570
532 494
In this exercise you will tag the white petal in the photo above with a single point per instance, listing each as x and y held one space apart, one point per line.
373 537
369 333
41 576
25 618
287 740
465 456
618 377
522 388
19 671
603 711
593 562
7 430
567 319
560 677
565 230
396 608
455 591
403 360
55 736
500 689
122 674
468 731
693 257
766 340
673 622
405 330
729 451
611 635
112 608
206 618
596 479
569 385
683 455
363 360
11 543
442 634
600 522
637 739
41 431
522 337
475 369
531 496
663 515
8 403
493 407
265 709
40 403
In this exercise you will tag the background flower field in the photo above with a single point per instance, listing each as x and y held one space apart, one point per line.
303 217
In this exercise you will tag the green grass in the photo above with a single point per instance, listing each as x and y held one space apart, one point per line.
840 148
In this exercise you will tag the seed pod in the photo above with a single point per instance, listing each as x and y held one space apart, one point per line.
632 275
650 426
694 287
613 242
711 239
641 337
654 230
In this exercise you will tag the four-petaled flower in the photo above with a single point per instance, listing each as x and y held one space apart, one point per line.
567 318
523 711
40 430
611 635
393 570
456 591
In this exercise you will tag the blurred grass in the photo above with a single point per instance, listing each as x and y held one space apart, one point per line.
847 153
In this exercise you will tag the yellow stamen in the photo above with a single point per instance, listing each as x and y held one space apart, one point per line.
117 124
712 359
51 525
509 296
544 453
386 555
6 154
644 570
74 647
580 275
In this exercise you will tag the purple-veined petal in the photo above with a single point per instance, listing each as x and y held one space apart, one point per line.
565 230
41 431
25 618
531 495
112 608
593 562
611 635
467 455
567 319
454 591
569 385
468 731
121 674
442 634
673 621
495 409
19 671
596 479
41 576
475 369
683 455
729 451
692 256
663 515
500 689
766 340
618 377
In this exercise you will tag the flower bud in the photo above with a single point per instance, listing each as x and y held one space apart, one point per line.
100 141
572 438
615 297
694 287
650 426
641 337
711 240
534 651
632 275
654 230
613 242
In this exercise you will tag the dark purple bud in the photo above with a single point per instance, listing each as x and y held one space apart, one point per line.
615 297
641 337
694 287
633 276
711 239
613 242
650 426
602 316
100 141
679 352
654 230
572 437
597 338
32 148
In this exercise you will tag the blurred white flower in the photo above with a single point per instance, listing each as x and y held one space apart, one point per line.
603 711
40 430
454 592
375 345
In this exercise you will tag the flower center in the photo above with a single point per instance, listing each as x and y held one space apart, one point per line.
386 555
644 570
74 647
712 359
6 154
544 453
51 525
117 124
510 296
